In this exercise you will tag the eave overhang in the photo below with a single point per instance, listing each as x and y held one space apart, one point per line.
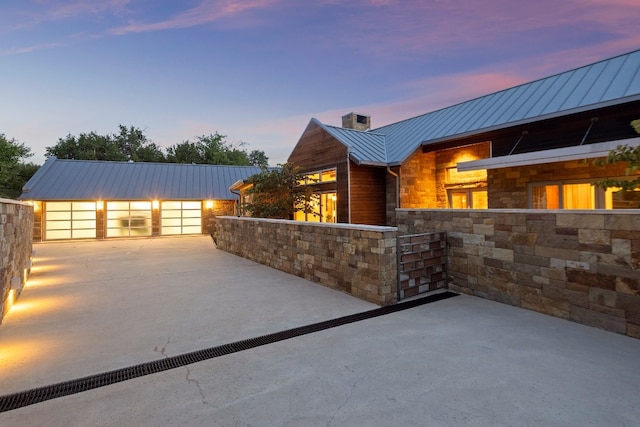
580 152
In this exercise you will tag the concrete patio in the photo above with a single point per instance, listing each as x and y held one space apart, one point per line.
91 307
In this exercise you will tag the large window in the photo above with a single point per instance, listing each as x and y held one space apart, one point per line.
323 211
580 195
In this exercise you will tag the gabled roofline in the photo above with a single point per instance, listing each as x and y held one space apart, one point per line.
39 173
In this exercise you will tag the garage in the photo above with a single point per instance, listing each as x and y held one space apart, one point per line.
91 199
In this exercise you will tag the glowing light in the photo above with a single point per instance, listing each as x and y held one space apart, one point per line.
209 204
11 298
155 204
99 205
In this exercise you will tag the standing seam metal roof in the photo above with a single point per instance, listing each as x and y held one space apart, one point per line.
608 82
60 179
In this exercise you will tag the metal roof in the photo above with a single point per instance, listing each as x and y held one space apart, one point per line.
60 179
361 144
609 82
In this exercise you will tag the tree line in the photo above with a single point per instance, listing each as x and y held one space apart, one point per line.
127 144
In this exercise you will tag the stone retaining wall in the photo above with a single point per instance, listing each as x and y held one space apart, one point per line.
577 265
16 232
358 259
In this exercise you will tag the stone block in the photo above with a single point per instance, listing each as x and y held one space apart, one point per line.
603 297
628 286
580 220
599 320
566 295
594 236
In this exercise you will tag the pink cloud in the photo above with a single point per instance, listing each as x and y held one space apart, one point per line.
206 12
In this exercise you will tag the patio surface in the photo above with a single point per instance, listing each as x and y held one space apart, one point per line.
92 307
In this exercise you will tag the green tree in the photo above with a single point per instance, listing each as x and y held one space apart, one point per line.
276 193
129 144
623 153
14 173
215 150
258 158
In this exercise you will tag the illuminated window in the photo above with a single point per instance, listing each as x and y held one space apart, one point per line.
545 197
468 199
580 195
317 177
323 211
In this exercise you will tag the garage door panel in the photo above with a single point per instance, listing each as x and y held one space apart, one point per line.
191 221
58 234
58 225
58 206
84 234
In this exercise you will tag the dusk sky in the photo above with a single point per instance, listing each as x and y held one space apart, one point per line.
259 70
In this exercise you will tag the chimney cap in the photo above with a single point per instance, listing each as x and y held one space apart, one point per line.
356 121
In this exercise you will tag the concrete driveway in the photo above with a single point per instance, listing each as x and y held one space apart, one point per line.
92 307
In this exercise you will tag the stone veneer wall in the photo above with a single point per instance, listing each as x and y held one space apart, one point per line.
577 265
358 259
209 216
16 232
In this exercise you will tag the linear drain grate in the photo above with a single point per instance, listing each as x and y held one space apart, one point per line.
41 394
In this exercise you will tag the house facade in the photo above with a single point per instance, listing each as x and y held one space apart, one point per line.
78 199
530 146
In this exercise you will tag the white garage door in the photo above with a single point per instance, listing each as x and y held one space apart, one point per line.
181 217
128 219
70 220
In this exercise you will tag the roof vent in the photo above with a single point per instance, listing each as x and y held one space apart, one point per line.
356 121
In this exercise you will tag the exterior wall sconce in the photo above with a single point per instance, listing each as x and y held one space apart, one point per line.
99 205
155 204
209 204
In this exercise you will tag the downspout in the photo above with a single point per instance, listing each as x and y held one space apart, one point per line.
349 185
239 211
397 186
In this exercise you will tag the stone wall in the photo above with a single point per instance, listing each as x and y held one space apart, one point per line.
16 232
358 259
577 265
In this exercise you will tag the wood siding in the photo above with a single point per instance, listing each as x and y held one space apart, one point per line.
317 150
368 195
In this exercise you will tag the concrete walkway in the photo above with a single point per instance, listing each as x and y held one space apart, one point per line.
91 307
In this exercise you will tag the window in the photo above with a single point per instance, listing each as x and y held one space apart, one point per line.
580 195
324 211
317 177
468 199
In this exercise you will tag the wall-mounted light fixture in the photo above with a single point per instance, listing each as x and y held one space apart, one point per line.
99 205
208 204
155 204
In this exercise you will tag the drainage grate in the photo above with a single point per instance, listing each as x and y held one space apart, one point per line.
41 394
